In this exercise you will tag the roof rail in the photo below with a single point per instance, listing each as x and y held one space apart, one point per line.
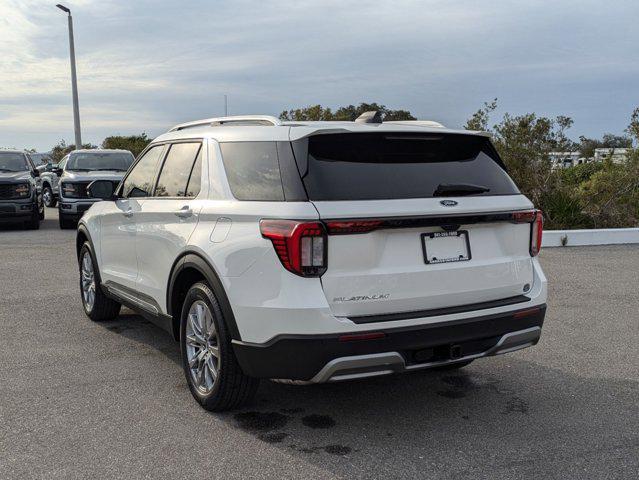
237 119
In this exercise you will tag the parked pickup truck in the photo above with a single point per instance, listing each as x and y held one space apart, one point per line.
20 192
50 176
79 169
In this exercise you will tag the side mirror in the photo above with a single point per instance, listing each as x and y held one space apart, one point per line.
57 171
35 172
102 189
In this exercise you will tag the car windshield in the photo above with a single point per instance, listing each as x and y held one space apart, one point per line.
91 161
13 162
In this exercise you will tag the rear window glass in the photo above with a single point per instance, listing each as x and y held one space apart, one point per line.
401 165
253 170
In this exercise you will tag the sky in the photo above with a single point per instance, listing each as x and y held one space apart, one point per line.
144 66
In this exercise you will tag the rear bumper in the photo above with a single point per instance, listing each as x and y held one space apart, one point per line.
324 358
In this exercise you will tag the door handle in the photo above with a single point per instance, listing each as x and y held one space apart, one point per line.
184 212
128 213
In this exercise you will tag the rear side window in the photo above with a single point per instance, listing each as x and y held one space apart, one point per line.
378 166
253 170
139 182
176 170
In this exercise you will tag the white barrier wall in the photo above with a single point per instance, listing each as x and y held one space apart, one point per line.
603 236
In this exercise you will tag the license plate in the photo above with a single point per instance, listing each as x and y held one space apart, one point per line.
446 247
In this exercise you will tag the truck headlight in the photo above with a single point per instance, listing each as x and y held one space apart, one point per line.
70 190
22 190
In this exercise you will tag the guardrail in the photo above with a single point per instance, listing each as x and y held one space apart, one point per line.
602 236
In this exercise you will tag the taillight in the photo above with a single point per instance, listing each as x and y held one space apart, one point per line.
338 227
300 246
536 234
536 220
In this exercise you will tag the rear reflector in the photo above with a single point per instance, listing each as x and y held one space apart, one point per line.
300 246
356 337
527 313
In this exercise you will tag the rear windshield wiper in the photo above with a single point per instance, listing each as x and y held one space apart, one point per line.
445 189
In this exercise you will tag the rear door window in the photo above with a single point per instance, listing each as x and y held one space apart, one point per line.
253 170
378 166
176 171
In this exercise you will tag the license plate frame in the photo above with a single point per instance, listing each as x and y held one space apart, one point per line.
465 241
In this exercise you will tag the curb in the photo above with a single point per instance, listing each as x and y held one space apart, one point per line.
603 236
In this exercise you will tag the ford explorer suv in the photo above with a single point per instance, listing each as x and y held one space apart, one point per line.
80 168
20 192
316 251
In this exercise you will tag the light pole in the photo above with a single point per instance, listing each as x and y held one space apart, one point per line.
74 80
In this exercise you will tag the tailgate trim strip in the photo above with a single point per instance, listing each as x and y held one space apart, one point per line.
435 312
448 222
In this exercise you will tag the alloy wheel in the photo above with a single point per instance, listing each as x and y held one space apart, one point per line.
202 347
88 281
47 197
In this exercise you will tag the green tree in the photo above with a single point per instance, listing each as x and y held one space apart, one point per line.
133 143
611 195
633 128
578 174
589 195
347 113
480 119
524 143
311 113
587 145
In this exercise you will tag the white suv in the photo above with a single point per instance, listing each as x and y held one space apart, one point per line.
316 251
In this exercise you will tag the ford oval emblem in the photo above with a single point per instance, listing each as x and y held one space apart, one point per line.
448 203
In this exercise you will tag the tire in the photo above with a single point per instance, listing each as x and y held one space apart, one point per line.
229 388
65 223
48 198
100 307
454 366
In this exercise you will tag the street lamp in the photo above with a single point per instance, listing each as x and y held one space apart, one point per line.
74 80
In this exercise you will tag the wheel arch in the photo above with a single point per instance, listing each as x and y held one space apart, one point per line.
82 236
189 268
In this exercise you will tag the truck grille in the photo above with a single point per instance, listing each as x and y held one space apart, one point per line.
81 188
7 191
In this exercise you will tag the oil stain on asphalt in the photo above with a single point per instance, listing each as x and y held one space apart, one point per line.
261 421
318 421
460 385
267 424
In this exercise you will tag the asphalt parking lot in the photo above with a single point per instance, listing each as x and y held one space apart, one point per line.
81 399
